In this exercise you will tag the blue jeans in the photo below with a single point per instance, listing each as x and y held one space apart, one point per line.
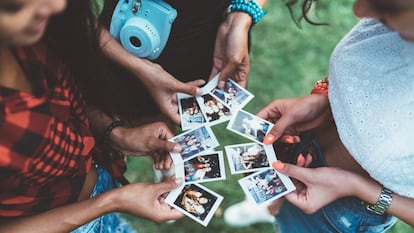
345 215
108 223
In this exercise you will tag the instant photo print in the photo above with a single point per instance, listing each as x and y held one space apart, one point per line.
202 168
197 202
194 142
249 157
249 126
232 94
190 112
266 185
214 109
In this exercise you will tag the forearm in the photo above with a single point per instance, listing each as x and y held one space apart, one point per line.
61 219
369 190
98 120
113 50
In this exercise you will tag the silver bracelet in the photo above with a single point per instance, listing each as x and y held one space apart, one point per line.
384 201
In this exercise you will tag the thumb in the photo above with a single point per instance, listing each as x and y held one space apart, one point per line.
299 173
224 75
164 145
166 186
191 88
278 130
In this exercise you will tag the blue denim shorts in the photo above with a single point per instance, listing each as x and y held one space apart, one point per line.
108 223
345 215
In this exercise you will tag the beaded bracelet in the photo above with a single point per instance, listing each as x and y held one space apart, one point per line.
108 131
250 7
321 87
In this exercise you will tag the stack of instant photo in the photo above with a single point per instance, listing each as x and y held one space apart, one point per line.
198 162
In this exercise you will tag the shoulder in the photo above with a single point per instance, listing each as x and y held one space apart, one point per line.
371 48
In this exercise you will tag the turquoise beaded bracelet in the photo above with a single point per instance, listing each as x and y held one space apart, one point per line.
250 7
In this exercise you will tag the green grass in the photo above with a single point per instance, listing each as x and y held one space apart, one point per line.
285 62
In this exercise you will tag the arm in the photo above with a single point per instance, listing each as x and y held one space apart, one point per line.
231 53
320 186
146 139
67 218
161 85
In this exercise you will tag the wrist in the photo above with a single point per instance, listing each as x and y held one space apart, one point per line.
239 19
111 133
248 8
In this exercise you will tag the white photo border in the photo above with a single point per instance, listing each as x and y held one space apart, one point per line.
268 149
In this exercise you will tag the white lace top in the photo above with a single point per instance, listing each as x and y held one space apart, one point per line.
371 90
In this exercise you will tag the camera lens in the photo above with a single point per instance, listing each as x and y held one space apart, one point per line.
135 41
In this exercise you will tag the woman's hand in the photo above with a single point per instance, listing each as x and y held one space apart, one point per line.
146 139
317 187
292 116
146 200
231 54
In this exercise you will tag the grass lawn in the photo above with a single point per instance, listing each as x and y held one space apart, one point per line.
285 62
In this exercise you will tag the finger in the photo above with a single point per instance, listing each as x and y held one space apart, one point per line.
197 82
291 139
188 88
225 73
166 186
277 130
299 173
300 161
308 160
174 116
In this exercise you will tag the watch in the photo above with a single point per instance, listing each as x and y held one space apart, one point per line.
384 201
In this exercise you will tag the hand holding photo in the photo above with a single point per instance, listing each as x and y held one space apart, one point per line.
194 142
249 126
197 202
265 186
249 157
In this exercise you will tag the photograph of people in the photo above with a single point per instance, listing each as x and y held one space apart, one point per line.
203 168
191 115
264 185
214 109
195 141
249 126
195 201
234 96
247 157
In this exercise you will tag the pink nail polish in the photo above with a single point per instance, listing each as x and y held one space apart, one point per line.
269 139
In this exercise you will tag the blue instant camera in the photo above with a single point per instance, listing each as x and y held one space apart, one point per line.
142 26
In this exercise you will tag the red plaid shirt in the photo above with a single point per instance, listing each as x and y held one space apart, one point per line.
45 140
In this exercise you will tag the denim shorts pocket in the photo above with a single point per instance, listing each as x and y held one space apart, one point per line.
349 215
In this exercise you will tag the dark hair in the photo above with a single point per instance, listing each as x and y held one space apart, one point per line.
73 34
305 8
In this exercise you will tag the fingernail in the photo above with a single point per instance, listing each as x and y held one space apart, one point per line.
278 165
177 148
269 139
221 84
300 159
199 91
178 180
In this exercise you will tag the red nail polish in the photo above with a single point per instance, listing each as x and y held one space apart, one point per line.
278 165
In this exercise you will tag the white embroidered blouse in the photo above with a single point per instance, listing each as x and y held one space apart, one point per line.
371 91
